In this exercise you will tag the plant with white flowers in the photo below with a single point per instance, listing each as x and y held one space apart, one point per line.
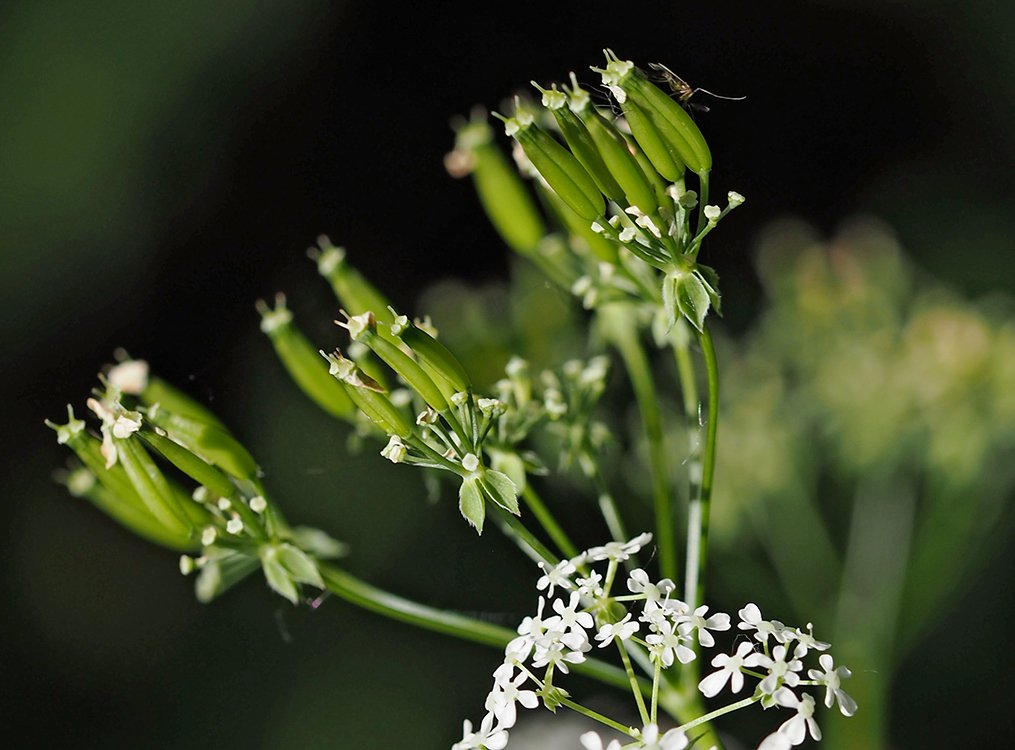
627 230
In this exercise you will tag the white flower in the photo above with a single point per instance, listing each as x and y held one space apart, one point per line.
488 736
395 450
780 671
832 679
668 642
775 741
672 740
750 617
619 551
807 642
797 728
591 586
556 576
130 377
638 582
592 741
573 620
718 621
117 422
505 694
518 650
560 653
533 628
729 670
622 630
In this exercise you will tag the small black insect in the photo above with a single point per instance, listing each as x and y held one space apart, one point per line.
683 91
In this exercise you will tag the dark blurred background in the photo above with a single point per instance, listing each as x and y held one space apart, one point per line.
164 165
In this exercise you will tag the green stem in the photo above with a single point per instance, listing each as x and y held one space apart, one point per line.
515 529
640 373
655 691
702 201
548 522
699 506
608 507
595 716
692 414
362 594
635 688
717 713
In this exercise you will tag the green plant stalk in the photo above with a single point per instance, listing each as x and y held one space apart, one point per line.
640 374
362 594
870 595
699 506
705 718
698 512
633 679
608 507
595 716
548 522
512 527
689 395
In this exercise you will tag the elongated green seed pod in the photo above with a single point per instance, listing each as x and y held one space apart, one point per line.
433 353
602 248
675 126
215 445
672 120
356 294
663 158
364 393
620 161
562 171
193 466
129 513
580 141
152 487
160 392
405 366
303 363
502 192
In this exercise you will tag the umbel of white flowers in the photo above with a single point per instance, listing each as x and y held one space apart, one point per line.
648 620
